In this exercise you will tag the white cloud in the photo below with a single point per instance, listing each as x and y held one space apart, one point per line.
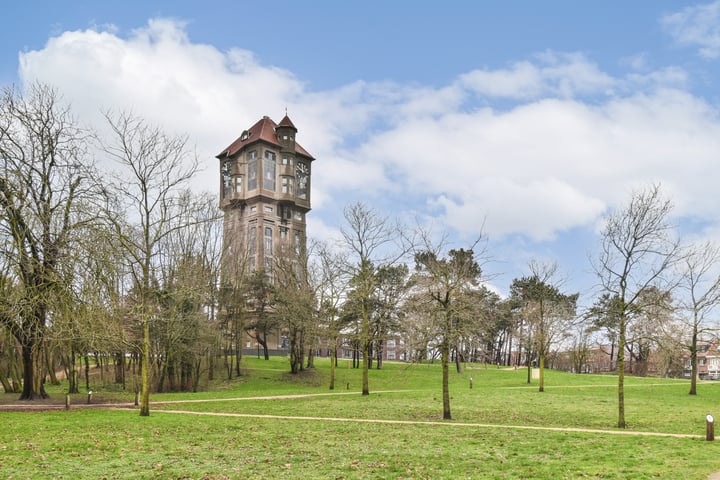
697 26
159 74
553 73
549 162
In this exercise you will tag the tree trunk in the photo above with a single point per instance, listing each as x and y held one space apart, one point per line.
87 372
445 359
458 360
621 373
145 371
238 346
295 352
379 354
7 388
32 372
365 368
73 386
50 364
120 369
541 366
14 371
693 363
310 358
333 365
262 340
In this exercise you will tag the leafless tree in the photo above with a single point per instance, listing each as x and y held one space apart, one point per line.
154 171
295 304
369 241
44 192
700 284
638 249
332 286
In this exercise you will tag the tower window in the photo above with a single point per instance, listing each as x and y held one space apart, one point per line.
252 170
252 241
268 240
297 243
287 185
238 184
226 171
301 173
287 161
269 171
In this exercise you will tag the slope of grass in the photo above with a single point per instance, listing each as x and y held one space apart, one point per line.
121 444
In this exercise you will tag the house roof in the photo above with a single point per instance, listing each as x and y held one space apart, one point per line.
263 130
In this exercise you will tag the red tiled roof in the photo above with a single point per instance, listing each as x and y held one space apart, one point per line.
286 122
263 130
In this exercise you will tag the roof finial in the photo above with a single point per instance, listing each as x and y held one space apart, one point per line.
286 110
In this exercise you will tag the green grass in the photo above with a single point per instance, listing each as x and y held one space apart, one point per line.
121 444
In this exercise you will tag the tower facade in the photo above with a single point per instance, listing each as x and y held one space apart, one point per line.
265 196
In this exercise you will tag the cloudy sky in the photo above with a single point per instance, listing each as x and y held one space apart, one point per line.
526 120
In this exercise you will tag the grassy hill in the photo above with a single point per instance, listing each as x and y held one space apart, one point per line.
269 424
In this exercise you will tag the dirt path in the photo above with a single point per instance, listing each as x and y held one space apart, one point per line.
122 406
440 424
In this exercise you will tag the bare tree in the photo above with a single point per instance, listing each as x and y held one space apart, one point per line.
43 192
651 316
295 304
232 296
637 250
331 288
183 331
701 285
154 171
370 240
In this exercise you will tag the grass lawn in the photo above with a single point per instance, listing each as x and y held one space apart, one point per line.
480 442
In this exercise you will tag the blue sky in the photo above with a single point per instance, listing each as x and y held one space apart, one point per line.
526 119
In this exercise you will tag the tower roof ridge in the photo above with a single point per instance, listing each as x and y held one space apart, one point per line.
286 122
263 129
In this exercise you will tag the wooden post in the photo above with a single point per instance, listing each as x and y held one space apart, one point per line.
89 397
67 401
709 428
470 383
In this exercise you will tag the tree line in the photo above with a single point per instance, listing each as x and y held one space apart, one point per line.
124 266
